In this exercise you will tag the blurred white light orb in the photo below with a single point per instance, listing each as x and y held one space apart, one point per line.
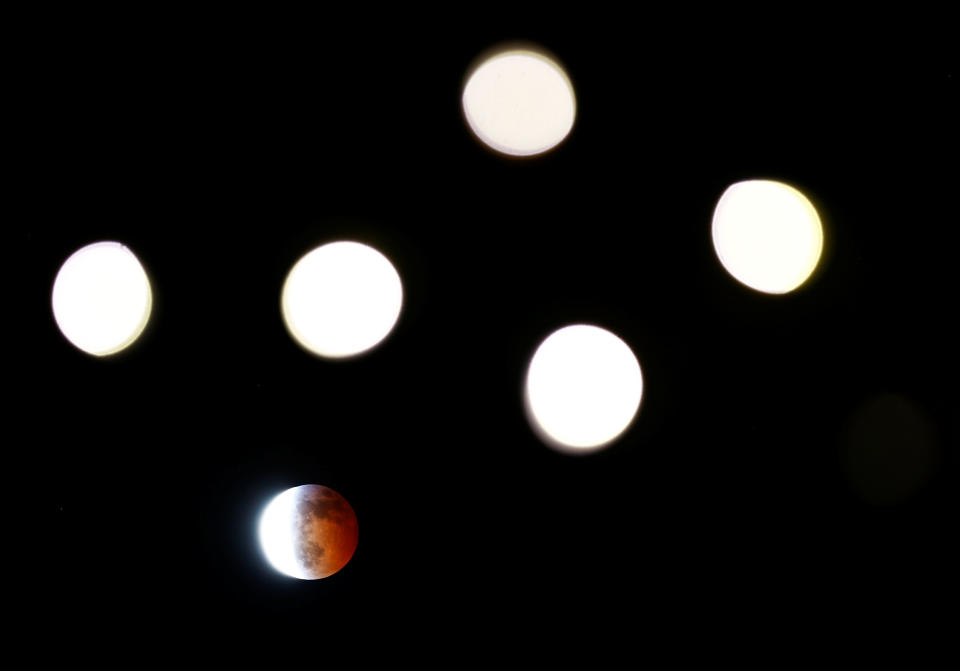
767 235
101 298
583 388
519 102
341 299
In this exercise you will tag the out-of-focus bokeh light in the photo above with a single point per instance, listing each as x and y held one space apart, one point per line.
583 388
519 102
341 299
889 449
767 235
101 298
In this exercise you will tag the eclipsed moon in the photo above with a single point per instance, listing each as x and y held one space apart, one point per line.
767 235
308 532
341 299
583 388
519 102
101 298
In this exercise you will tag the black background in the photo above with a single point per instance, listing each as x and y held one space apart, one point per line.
221 148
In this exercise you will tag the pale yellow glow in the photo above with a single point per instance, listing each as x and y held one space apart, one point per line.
583 388
278 537
767 235
341 299
519 102
101 298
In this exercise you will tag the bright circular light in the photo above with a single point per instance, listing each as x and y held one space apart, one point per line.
583 388
767 235
308 532
101 298
341 299
278 533
519 102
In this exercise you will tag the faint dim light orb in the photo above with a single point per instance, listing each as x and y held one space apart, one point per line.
767 235
101 298
308 532
583 388
519 102
341 299
889 449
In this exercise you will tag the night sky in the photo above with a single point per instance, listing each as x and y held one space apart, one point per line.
222 148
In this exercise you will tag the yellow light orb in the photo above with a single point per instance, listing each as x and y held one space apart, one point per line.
767 235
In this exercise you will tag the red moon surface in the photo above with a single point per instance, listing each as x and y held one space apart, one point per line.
309 532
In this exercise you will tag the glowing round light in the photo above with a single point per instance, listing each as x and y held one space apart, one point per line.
519 102
767 235
278 533
308 532
341 299
583 388
101 298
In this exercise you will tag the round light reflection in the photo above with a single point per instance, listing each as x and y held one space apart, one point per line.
519 102
341 299
101 298
583 388
767 235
